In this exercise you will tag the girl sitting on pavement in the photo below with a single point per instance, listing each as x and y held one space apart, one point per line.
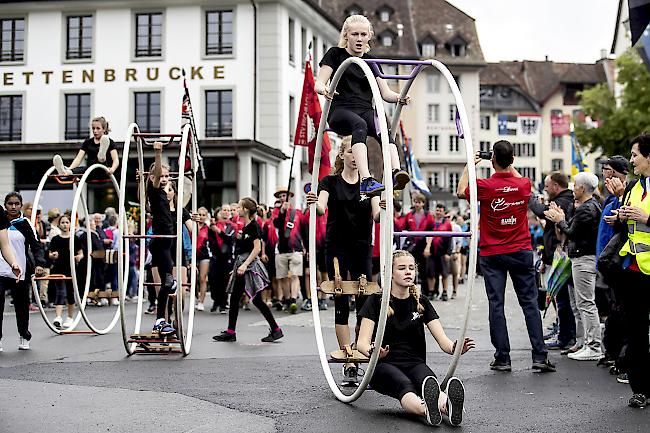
402 371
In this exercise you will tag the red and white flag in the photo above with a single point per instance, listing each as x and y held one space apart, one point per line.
308 123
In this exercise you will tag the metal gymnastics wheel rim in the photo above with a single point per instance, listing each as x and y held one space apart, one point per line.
473 204
185 336
81 301
35 289
124 258
386 258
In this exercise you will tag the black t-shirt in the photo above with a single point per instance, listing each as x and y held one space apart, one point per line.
405 329
353 87
92 149
163 222
4 221
349 219
251 231
62 245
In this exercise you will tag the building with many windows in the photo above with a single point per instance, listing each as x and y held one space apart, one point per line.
532 105
64 62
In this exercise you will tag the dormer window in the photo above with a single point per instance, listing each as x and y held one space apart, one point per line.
428 47
384 13
457 47
387 38
354 10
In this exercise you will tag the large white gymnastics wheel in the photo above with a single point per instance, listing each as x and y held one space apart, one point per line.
184 327
81 300
386 230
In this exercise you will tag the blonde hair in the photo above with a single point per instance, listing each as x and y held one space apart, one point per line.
349 21
413 290
338 162
102 121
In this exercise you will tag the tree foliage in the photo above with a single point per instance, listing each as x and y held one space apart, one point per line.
617 124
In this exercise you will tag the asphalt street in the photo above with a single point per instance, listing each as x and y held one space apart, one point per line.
82 383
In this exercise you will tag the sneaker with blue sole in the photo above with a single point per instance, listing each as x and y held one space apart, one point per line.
163 328
370 187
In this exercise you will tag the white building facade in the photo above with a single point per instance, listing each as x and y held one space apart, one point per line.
65 62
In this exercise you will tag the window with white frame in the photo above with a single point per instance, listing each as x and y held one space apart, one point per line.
557 144
292 37
453 144
433 143
529 172
454 177
218 113
77 115
484 172
434 179
148 34
428 47
433 113
557 164
452 112
11 117
484 146
12 44
292 117
433 82
485 122
79 37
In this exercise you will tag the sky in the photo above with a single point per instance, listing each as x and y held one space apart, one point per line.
564 30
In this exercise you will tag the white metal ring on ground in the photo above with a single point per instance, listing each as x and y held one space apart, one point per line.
123 259
185 330
386 237
35 288
473 204
79 198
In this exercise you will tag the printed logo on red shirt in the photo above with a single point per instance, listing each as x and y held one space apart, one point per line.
500 204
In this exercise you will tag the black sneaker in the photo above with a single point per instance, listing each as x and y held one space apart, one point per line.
273 335
222 310
455 399
638 400
443 297
214 308
500 366
400 179
151 309
350 377
225 336
544 366
430 394
278 306
622 378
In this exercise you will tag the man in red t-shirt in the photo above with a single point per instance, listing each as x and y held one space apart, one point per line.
505 247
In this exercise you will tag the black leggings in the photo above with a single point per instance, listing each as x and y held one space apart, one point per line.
399 378
235 296
20 295
358 123
161 258
356 261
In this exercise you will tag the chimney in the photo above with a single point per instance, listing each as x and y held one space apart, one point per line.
546 58
449 28
603 54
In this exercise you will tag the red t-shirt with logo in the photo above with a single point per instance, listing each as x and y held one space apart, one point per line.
504 214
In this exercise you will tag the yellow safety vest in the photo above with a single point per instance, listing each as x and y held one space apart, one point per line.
638 244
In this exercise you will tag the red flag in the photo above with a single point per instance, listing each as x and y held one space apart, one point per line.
308 122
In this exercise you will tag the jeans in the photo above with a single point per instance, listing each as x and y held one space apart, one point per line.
522 273
584 292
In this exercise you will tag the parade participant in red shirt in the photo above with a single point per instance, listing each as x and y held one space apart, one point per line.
290 249
416 221
505 247
437 252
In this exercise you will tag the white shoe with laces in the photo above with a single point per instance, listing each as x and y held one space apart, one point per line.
23 344
57 161
587 353
57 322
68 322
115 301
200 307
103 302
104 143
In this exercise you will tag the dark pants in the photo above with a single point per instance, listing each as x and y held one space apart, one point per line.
565 317
356 261
20 295
235 296
218 275
522 272
162 259
396 379
635 291
359 123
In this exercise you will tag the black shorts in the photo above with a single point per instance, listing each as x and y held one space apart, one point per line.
376 265
396 379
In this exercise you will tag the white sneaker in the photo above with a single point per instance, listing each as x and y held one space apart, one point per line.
200 306
58 164
68 322
103 302
1 349
587 353
57 322
104 142
23 344
115 301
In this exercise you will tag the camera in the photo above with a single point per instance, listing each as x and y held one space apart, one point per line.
485 154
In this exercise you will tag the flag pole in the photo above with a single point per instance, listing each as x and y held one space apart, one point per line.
293 153
195 138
